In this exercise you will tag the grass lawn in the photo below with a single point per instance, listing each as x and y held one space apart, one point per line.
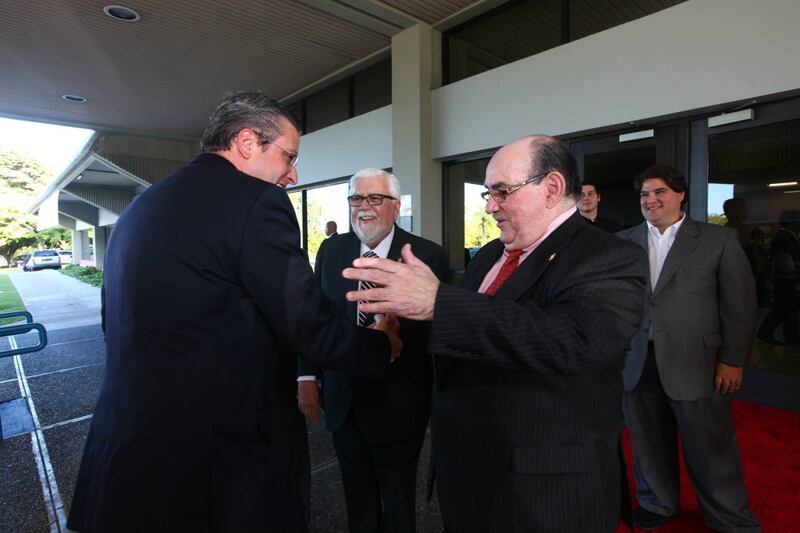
9 299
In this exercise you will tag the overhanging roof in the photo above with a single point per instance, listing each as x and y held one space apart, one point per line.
164 74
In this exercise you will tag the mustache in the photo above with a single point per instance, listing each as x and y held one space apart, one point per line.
369 213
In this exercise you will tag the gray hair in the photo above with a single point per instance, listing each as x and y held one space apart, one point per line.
394 183
245 109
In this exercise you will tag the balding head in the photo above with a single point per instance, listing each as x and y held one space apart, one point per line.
532 181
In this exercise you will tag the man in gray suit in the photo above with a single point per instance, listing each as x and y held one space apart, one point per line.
687 359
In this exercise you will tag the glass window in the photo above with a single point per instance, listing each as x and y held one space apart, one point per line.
372 88
296 197
505 35
328 106
468 226
324 204
520 29
753 188
589 16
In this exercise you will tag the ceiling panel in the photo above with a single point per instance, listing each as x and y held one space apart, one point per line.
430 12
164 74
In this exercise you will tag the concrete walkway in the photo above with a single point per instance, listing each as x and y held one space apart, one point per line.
60 386
57 301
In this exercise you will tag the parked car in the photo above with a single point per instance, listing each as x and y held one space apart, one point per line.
20 260
3 262
40 259
65 257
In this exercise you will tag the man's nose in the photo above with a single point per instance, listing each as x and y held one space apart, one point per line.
293 176
491 205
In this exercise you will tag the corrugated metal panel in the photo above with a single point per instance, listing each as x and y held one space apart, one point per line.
148 169
164 74
112 199
430 12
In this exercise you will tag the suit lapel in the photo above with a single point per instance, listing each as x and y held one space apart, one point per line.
537 262
481 264
351 251
639 236
685 242
397 243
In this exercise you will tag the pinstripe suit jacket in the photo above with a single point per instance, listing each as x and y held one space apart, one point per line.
528 389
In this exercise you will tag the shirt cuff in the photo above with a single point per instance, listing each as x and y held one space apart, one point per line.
306 378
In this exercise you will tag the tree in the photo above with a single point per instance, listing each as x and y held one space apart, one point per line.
479 227
59 238
22 174
21 179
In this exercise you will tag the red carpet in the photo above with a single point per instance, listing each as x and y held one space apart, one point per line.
769 443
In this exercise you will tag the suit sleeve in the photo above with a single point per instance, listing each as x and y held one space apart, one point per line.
737 303
304 367
589 319
276 273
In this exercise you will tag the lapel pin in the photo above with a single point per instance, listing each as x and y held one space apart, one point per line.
552 256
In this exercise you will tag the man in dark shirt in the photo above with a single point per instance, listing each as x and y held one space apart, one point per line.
587 205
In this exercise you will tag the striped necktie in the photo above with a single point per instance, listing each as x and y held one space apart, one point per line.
364 319
509 266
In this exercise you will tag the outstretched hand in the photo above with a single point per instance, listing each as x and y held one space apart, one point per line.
406 289
391 326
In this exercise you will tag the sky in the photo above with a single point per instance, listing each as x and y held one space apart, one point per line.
54 146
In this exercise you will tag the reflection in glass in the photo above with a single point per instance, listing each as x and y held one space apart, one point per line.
753 175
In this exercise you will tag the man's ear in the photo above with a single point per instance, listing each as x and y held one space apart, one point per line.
555 185
245 142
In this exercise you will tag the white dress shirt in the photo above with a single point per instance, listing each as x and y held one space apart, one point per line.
658 246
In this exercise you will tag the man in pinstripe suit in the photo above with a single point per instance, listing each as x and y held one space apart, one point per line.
526 415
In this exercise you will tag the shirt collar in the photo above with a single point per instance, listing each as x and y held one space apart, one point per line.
670 231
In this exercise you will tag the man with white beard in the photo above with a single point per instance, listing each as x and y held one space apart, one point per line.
378 426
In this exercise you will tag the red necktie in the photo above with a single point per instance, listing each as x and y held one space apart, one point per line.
510 265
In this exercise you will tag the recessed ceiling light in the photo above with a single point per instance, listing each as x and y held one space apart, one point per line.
73 98
782 184
122 13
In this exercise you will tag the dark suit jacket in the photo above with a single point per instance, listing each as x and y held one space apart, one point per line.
702 310
527 404
394 407
204 279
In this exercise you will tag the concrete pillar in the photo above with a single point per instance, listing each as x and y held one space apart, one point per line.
416 69
80 246
100 233
86 249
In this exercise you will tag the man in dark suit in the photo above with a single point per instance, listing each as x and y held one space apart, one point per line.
526 425
330 228
687 358
378 426
204 281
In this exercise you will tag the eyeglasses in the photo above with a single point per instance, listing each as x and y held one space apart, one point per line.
355 200
499 195
293 156
263 139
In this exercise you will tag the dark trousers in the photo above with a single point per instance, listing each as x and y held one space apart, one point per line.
709 451
379 479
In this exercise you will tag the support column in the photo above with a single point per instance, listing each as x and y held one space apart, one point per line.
416 69
99 246
80 246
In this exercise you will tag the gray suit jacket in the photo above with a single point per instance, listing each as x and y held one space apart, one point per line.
702 310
